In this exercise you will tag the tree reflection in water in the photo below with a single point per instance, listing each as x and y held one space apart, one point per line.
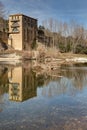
53 101
25 82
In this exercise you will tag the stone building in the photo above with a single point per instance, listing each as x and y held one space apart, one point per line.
44 37
22 31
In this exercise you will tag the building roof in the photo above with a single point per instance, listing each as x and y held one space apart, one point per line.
22 15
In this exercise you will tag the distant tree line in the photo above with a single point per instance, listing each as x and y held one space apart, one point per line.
67 37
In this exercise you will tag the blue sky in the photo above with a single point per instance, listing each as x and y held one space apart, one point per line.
62 10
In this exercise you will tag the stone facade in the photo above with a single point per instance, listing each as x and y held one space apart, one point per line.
22 31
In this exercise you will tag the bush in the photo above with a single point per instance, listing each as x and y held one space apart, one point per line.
81 49
65 48
61 47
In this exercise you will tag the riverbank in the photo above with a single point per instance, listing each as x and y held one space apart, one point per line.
51 65
45 59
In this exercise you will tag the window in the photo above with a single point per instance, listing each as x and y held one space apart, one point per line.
12 17
17 17
31 34
15 29
15 24
27 35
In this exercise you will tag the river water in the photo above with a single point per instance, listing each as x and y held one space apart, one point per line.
37 101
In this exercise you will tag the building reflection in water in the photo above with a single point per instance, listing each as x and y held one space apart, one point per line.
22 84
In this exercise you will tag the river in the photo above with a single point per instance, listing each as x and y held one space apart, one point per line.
41 102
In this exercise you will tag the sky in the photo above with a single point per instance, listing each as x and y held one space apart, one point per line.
61 10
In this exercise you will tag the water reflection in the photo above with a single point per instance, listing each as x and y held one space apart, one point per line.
42 101
21 82
78 74
3 80
22 85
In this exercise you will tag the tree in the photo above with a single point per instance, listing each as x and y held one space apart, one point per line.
51 29
65 36
2 20
2 11
41 27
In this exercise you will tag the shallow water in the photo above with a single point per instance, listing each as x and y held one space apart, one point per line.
41 102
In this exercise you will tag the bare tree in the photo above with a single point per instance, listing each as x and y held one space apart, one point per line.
65 36
2 10
51 25
78 34
3 22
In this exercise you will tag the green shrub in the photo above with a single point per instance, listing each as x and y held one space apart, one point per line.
82 49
